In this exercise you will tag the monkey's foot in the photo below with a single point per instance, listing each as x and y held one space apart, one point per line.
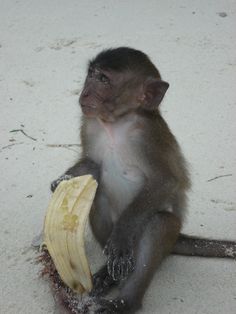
120 259
102 282
112 307
55 183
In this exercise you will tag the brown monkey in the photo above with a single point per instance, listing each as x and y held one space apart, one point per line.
141 199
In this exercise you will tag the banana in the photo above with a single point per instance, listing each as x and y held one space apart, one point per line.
64 227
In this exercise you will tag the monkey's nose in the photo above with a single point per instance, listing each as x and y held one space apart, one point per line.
85 93
82 97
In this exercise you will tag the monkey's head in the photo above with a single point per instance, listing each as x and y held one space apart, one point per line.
120 81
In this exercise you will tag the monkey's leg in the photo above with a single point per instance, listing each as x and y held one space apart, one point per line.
156 242
100 217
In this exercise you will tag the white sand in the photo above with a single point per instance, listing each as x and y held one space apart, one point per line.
44 47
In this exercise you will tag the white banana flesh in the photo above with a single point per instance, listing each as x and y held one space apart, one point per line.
64 228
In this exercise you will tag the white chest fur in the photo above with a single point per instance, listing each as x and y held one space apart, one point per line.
115 148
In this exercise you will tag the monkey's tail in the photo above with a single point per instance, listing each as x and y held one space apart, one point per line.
193 246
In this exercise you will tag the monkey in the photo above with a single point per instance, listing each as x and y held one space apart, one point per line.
142 176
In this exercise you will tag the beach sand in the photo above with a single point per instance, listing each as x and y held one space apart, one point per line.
44 49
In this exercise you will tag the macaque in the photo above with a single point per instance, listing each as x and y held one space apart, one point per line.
142 177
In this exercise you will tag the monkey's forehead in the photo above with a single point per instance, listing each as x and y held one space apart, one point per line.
124 59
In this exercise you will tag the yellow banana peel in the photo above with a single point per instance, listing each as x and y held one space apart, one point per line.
64 227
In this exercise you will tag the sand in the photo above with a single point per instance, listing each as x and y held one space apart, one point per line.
44 48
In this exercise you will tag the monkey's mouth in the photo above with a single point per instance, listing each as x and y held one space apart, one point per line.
88 109
89 105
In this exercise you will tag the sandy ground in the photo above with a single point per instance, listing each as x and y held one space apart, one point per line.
44 48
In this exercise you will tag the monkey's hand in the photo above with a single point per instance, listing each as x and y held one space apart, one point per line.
102 282
120 257
55 183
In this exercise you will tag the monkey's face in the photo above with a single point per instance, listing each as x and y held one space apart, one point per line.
108 95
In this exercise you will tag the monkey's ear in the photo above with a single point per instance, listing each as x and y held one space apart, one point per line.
153 93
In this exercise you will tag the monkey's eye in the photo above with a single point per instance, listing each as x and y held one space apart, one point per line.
103 78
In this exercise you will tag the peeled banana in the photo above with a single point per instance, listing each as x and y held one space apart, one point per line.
64 230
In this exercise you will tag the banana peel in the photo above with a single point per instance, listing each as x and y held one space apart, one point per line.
64 228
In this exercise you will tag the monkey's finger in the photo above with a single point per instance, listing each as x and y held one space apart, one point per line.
56 182
109 266
113 268
130 264
116 269
105 250
122 269
127 267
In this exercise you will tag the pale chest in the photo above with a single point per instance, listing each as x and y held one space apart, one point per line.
115 148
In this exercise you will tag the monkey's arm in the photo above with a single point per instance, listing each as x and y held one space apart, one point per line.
82 167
